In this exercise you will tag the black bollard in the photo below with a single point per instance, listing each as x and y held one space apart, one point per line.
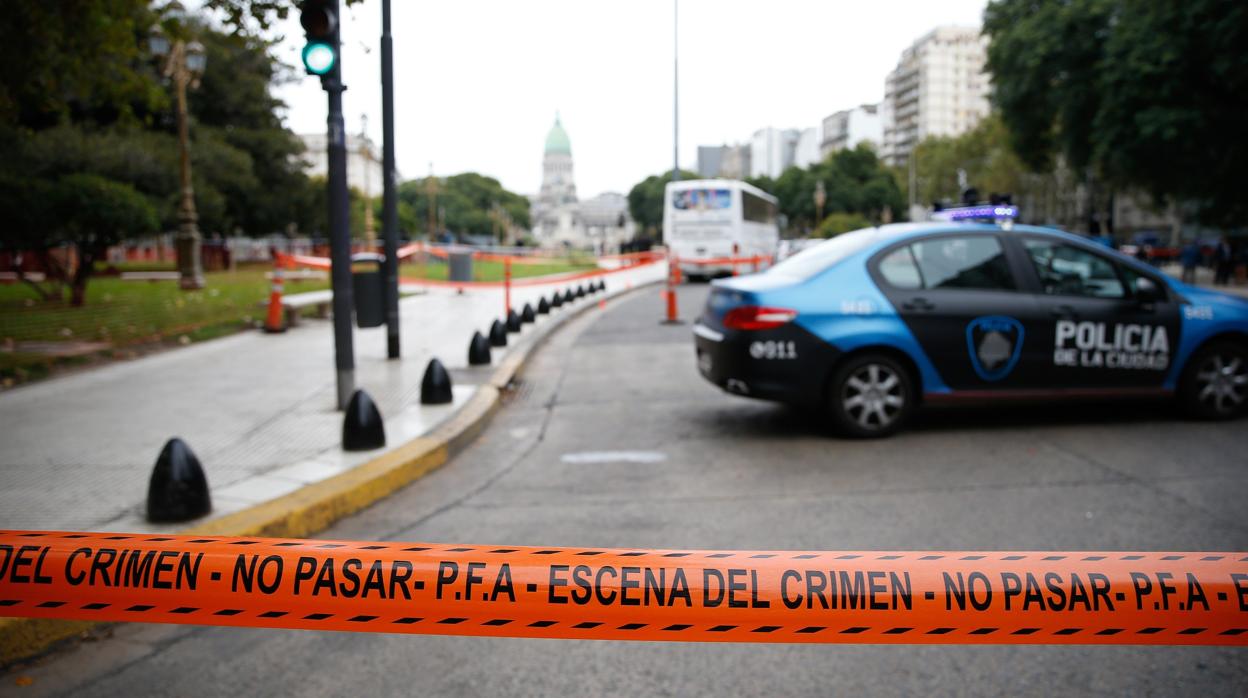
178 489
513 321
478 350
602 285
543 307
556 300
568 296
435 387
527 314
362 427
498 334
579 291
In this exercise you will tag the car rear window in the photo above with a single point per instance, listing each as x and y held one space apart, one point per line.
813 260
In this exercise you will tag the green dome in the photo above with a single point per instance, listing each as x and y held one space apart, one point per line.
557 140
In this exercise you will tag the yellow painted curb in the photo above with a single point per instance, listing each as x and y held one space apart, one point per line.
315 507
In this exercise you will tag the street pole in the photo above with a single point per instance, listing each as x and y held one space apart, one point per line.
389 198
187 244
339 225
675 91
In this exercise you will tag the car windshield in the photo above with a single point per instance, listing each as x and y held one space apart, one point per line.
813 260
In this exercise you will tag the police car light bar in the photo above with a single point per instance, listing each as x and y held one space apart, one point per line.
987 212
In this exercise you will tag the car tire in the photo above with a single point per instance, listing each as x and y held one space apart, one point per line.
1214 384
870 396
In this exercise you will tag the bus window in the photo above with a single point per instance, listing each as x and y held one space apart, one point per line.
757 209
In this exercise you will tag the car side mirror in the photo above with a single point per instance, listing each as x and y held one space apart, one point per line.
1147 291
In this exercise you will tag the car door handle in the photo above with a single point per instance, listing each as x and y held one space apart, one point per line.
918 304
1064 311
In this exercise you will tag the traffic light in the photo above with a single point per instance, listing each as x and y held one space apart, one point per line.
320 24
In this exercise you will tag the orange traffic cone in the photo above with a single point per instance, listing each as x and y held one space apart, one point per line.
273 323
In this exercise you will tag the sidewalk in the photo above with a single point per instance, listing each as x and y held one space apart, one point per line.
257 409
1204 278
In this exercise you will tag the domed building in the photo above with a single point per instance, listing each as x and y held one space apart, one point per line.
560 219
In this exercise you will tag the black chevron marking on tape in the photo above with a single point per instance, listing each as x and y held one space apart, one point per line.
274 614
97 606
1192 631
408 620
1067 631
452 621
940 631
722 628
587 625
766 629
812 629
51 604
139 608
632 626
984 631
543 623
897 631
854 630
678 626
318 616
497 621
1026 631
228 612
1149 631
1109 631
361 619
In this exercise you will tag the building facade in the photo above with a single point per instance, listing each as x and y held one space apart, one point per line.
364 171
845 130
560 219
806 150
939 88
772 151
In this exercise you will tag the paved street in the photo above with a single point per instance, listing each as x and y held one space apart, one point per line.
734 473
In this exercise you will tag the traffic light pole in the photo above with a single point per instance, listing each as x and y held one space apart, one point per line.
339 227
389 199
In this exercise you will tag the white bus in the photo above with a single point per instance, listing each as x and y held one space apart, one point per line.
715 219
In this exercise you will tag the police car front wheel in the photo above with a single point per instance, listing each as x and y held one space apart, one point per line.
1215 382
870 396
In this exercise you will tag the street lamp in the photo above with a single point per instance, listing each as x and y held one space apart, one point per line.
184 64
821 197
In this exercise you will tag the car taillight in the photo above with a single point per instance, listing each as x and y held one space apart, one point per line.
755 317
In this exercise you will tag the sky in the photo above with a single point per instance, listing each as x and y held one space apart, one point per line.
478 82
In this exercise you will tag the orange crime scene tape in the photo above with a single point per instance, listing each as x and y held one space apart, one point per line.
626 594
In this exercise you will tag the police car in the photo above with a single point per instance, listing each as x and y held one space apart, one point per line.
872 323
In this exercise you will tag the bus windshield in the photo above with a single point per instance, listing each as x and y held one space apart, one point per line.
813 260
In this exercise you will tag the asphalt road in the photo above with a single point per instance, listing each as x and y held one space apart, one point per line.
736 474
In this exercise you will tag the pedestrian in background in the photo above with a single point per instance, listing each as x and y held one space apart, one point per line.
1223 262
1189 257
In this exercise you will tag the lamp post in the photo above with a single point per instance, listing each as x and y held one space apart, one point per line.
183 63
821 197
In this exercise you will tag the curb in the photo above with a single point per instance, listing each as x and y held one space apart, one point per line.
316 506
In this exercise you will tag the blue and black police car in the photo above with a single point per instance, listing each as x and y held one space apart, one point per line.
874 322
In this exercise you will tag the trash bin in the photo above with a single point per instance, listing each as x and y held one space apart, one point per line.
367 284
459 267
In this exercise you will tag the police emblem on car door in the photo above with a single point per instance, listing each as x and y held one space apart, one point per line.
994 342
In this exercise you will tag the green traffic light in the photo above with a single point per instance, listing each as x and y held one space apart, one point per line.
318 58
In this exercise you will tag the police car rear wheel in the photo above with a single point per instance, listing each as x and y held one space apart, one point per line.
870 396
1215 383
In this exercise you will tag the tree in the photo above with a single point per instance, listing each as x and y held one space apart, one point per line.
467 200
97 213
1143 94
645 199
854 182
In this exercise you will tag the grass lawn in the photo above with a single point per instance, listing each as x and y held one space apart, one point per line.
127 313
493 271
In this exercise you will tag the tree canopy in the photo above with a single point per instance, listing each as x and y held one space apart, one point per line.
469 202
855 181
1144 94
